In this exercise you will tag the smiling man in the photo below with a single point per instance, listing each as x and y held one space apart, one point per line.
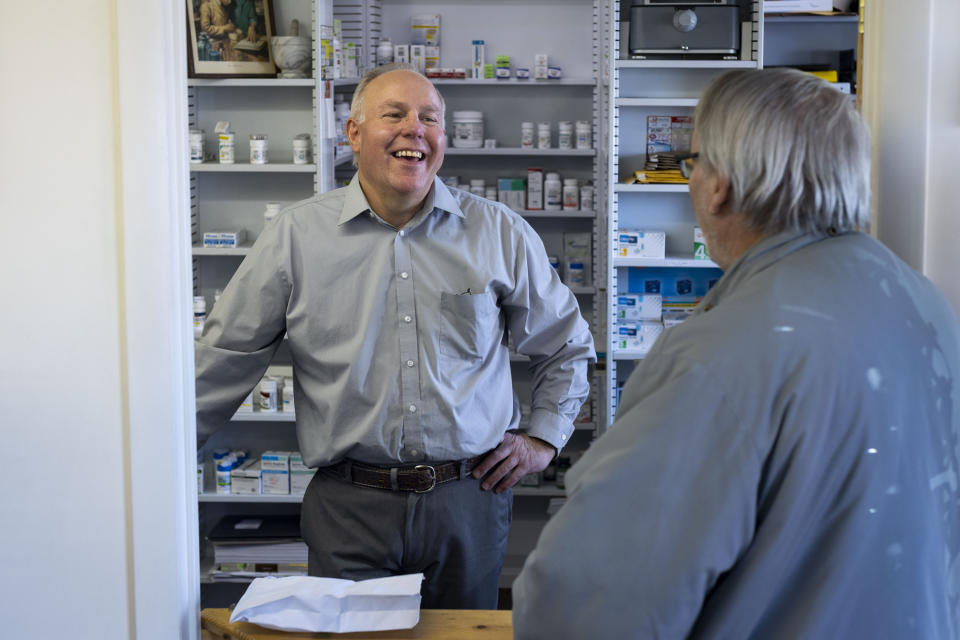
397 296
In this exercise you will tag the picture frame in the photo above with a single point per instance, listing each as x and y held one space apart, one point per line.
220 39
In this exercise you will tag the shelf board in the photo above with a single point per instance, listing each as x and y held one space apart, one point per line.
803 17
656 102
529 213
583 291
285 498
516 82
652 188
686 64
264 416
518 151
669 261
246 167
627 354
251 82
198 250
346 82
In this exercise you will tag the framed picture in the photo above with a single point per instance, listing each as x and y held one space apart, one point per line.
230 39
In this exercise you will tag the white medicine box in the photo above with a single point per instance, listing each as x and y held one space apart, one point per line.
639 306
246 478
637 336
300 475
641 244
275 472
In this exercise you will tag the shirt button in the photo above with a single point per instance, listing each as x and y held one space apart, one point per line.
407 319
563 437
412 408
410 363
402 233
413 452
404 275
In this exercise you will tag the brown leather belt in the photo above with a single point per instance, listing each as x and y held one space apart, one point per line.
419 478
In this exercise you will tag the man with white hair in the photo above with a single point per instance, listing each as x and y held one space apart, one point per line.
397 296
783 464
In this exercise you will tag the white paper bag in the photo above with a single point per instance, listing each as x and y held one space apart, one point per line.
301 603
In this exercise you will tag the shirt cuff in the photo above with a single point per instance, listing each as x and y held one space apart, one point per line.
550 427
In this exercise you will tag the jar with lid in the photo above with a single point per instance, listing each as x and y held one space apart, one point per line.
287 395
267 400
478 186
384 52
571 194
196 145
565 134
490 193
586 197
270 212
527 135
301 148
543 135
584 135
258 148
468 129
199 315
552 192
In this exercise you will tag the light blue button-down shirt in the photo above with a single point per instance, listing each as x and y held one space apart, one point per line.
398 337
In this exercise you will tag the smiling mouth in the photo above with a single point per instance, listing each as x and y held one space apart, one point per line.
406 154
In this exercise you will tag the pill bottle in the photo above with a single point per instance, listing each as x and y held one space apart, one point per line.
196 145
554 262
287 395
224 467
576 273
586 197
468 129
571 194
490 193
199 315
565 134
200 467
584 135
270 212
527 135
301 148
478 187
543 135
267 400
225 141
384 52
552 192
241 455
258 148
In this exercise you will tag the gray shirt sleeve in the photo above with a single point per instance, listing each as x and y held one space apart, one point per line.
668 490
242 332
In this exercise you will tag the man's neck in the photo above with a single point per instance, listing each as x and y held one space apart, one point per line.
730 238
395 211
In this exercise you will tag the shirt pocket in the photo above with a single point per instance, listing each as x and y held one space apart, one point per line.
468 325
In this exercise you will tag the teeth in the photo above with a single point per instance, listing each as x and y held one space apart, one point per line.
409 154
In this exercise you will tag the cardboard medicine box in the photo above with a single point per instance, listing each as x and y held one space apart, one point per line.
639 306
699 245
275 472
638 336
245 479
300 475
641 244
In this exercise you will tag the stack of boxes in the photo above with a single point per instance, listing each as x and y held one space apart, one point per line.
273 473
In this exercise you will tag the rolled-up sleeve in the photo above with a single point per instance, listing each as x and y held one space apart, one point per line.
545 323
243 331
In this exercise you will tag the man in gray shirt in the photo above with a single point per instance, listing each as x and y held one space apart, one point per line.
784 464
397 296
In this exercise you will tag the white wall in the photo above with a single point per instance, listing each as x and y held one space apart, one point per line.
912 102
96 504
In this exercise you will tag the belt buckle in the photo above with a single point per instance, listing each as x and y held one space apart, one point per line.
433 478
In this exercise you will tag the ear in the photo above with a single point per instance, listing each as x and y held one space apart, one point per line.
719 194
353 134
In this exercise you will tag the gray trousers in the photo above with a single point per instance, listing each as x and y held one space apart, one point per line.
456 535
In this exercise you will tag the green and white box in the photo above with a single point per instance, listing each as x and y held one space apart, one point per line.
637 243
637 336
639 306
275 472
300 475
699 245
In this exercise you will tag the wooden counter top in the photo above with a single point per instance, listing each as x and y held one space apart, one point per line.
448 624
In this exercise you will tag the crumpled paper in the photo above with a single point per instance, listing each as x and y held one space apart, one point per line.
301 603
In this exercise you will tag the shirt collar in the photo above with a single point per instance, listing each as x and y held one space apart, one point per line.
355 203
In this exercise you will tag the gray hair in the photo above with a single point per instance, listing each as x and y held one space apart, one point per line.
356 106
796 151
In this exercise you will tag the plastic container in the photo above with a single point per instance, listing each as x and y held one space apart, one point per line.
528 135
199 315
301 148
224 466
287 395
554 262
267 400
586 197
543 135
384 52
490 193
226 142
270 212
552 192
258 148
196 145
468 129
571 194
565 135
576 272
478 187
584 135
